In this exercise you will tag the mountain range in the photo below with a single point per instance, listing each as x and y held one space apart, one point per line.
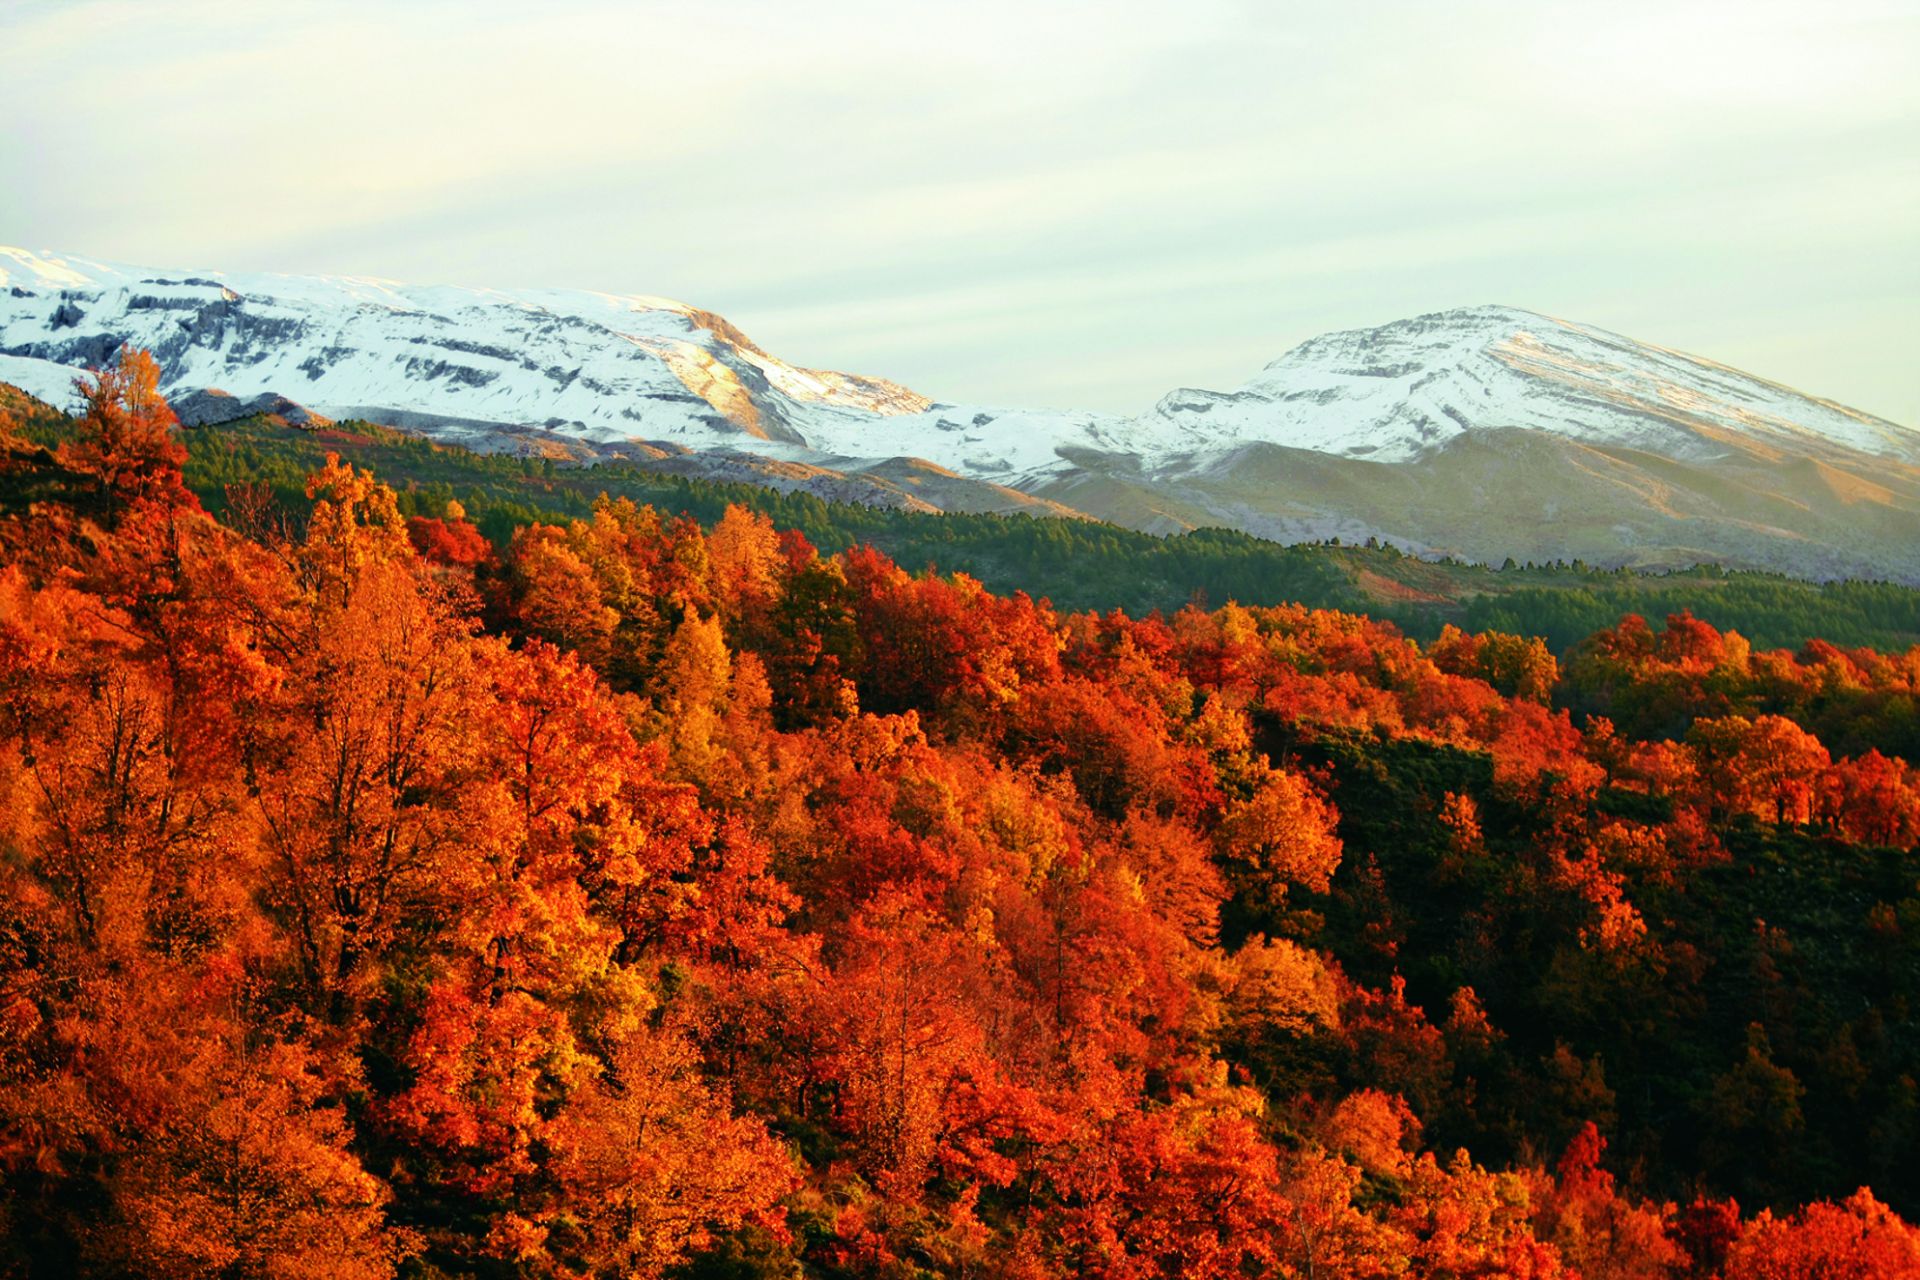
1482 432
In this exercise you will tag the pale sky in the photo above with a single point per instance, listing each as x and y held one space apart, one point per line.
1020 201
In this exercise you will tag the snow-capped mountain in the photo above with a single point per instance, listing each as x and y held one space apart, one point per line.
596 366
1393 392
1482 432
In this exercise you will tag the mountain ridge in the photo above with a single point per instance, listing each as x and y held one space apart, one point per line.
1652 455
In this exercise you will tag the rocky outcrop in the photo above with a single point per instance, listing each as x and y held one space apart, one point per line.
210 407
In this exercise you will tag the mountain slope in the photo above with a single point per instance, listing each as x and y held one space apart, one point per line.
1494 493
596 366
1482 433
1392 392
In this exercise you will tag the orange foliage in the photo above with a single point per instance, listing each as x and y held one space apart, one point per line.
1858 1239
730 889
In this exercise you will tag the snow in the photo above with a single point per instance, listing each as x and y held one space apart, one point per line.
1390 393
20 268
606 366
42 379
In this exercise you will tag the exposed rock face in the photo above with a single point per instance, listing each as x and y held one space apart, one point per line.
1483 432
210 407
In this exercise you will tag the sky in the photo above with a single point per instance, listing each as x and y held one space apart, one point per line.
1042 202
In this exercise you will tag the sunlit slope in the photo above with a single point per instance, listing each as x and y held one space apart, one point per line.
1485 433
1492 494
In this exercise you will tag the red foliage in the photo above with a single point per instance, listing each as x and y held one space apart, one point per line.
319 900
455 543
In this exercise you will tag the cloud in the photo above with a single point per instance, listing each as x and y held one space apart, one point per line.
1039 202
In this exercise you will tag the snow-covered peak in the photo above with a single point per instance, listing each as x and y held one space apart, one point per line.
24 268
1392 392
597 365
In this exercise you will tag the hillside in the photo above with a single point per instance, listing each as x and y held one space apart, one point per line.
1077 565
656 900
1480 433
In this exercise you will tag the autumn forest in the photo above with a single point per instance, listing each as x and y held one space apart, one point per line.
632 896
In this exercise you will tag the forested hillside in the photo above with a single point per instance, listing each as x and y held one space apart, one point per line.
1074 564
591 890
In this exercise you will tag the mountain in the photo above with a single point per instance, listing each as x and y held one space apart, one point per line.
574 376
1392 393
595 366
1482 432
